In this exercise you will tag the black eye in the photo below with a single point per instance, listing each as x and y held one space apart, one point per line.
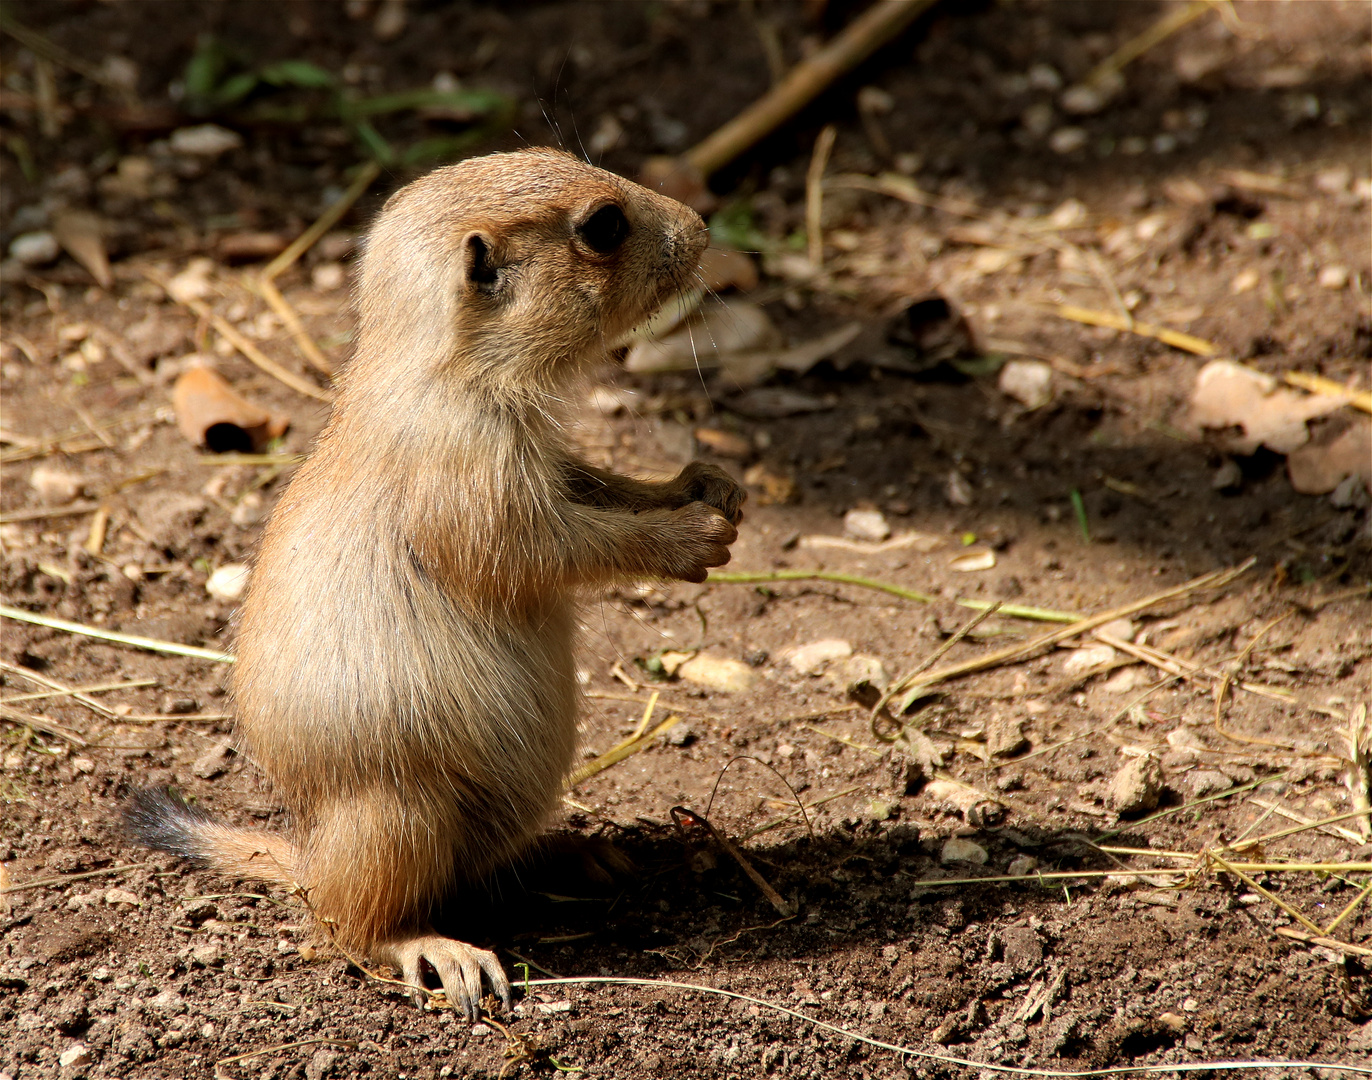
605 230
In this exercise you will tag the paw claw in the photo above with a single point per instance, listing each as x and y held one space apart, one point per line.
459 967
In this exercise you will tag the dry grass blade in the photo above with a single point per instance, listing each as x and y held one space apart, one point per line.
348 1044
1318 384
43 724
1304 825
96 688
1213 580
71 510
1112 321
619 753
681 814
1352 906
1136 46
41 883
250 351
777 823
151 644
1327 942
266 281
1223 687
1185 669
876 26
66 691
1225 865
814 194
948 1059
906 680
1359 736
1018 611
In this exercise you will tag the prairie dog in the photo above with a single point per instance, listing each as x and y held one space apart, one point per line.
405 666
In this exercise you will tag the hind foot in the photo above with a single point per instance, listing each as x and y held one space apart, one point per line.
459 967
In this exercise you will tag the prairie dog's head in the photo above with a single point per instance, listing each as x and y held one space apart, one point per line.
512 270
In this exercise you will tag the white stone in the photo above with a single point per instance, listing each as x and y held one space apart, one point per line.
228 582
718 673
809 659
193 283
55 486
1029 382
75 1054
1334 277
1067 140
866 524
204 140
35 248
1080 661
1136 787
1125 680
169 1002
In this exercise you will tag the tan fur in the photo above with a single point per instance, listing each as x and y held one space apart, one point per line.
405 662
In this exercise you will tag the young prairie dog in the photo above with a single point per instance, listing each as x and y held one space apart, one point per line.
405 666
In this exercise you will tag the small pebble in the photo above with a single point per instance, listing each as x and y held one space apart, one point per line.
74 1055
327 276
1136 787
204 140
1021 865
82 765
169 1002
1125 680
55 486
228 582
1228 477
718 673
866 525
960 850
724 443
1080 661
1082 100
249 510
1067 140
810 659
1334 277
122 896
35 248
214 761
1030 382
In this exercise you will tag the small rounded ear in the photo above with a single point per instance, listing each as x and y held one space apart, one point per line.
478 261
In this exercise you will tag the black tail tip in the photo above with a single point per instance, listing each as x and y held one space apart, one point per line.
163 820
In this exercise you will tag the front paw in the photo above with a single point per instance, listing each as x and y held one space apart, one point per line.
701 540
700 482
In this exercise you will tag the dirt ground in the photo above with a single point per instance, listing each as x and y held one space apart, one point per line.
1223 191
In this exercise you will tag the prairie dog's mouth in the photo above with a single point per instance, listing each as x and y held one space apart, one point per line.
675 308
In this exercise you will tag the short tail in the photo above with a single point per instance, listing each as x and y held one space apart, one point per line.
161 820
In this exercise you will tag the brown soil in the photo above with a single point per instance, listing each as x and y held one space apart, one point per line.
1226 158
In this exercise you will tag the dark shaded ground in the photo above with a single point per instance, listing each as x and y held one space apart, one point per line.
1226 157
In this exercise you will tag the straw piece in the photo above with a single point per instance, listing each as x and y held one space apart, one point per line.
151 644
1175 338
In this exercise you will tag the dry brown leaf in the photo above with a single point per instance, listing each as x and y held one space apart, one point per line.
210 414
731 326
1318 468
82 234
1228 394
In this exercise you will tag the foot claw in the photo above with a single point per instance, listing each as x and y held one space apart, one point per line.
459 967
